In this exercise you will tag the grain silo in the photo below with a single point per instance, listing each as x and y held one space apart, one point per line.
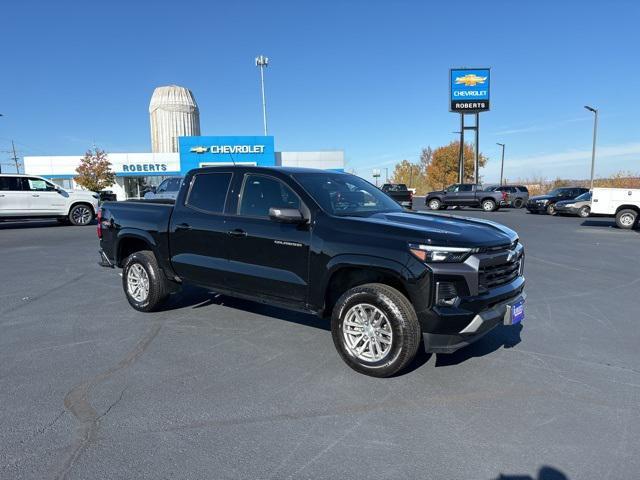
174 113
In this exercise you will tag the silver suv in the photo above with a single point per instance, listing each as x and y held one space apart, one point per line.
518 194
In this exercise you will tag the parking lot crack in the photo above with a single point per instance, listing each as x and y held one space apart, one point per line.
77 402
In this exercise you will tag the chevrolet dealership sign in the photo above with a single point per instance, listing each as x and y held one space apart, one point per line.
207 151
469 89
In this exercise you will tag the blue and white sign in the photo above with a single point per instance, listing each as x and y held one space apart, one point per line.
469 89
198 152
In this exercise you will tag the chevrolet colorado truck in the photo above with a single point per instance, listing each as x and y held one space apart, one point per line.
323 242
466 195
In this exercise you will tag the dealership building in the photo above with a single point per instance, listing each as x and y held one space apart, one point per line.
137 172
177 147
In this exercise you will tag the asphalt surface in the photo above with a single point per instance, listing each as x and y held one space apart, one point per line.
220 388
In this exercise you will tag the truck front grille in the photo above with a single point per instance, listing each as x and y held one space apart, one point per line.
495 275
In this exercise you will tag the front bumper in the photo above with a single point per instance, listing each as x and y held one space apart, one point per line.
536 207
479 326
563 209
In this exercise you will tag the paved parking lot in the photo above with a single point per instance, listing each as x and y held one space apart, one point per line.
222 388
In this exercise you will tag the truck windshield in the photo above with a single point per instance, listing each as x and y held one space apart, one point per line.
344 194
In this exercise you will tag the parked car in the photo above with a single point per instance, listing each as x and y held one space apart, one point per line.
547 203
167 189
580 206
107 196
518 194
466 195
400 193
323 242
29 196
624 203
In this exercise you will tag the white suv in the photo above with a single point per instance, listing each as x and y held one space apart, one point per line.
29 196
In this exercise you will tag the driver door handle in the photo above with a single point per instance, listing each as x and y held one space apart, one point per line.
183 226
237 233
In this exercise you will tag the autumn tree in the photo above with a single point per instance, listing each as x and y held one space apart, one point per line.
94 171
442 169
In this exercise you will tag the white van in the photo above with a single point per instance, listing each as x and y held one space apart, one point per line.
624 203
29 196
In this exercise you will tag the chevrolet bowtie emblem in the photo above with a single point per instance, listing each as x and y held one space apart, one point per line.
199 149
470 80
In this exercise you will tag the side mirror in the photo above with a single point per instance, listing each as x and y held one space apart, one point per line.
286 215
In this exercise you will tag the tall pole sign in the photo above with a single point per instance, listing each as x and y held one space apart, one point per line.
469 94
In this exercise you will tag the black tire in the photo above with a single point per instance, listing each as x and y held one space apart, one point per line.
584 211
518 203
158 288
81 215
551 209
489 205
626 219
434 204
401 318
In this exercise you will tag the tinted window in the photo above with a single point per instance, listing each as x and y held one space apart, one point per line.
585 197
39 185
173 184
452 188
9 183
209 191
465 188
523 189
260 193
343 194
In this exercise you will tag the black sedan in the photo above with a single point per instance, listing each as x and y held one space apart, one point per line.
547 203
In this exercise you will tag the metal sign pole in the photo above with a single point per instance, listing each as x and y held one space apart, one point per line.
477 148
461 151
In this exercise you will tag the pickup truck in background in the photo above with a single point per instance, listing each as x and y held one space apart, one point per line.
400 193
623 203
466 195
327 243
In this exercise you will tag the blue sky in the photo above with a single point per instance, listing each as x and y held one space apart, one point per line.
367 77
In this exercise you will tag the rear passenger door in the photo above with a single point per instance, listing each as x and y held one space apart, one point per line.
268 258
198 231
14 199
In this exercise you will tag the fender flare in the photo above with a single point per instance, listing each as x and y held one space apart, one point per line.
125 233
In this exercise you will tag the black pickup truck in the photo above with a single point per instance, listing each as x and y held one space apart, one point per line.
323 242
466 195
400 193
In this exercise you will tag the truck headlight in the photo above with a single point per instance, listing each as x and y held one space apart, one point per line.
432 253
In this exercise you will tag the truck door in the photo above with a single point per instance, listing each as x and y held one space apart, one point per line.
198 231
466 194
268 257
451 195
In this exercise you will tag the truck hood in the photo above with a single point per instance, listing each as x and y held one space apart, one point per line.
542 197
450 230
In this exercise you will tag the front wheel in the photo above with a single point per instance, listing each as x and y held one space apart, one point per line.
489 205
434 204
375 329
143 282
81 215
551 209
626 219
584 212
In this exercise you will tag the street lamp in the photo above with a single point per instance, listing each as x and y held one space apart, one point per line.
595 131
262 62
502 163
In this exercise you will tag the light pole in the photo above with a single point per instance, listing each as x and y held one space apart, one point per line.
595 132
262 62
502 163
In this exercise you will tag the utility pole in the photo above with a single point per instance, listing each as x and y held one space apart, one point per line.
15 157
501 163
386 169
595 132
262 62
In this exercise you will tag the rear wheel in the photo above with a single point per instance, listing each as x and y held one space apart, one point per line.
584 211
143 282
518 203
489 205
375 329
551 209
626 219
434 204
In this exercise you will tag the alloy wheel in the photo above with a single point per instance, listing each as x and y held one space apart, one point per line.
137 282
367 333
81 215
